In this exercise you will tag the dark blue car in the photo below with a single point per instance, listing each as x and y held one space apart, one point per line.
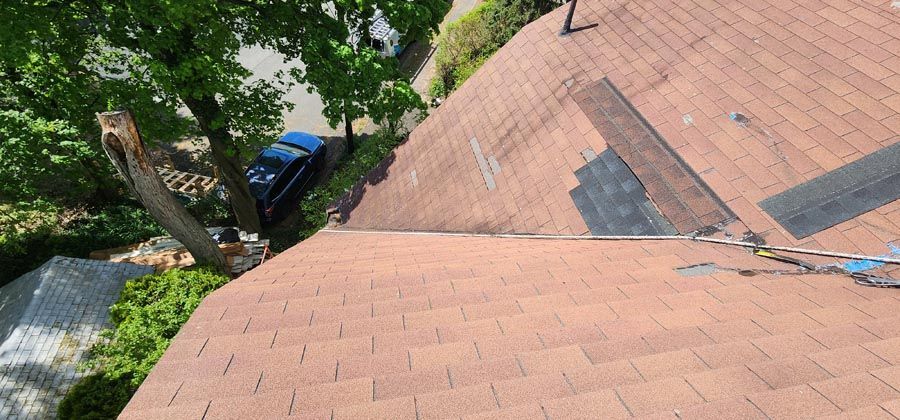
282 171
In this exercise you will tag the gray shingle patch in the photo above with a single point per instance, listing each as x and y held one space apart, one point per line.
613 202
839 195
495 166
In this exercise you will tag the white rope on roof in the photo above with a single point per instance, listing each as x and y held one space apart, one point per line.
887 260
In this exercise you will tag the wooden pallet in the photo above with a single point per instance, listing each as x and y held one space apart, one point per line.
186 182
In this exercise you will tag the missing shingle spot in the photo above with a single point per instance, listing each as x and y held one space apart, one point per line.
568 83
739 119
697 270
495 166
414 177
482 164
588 154
688 119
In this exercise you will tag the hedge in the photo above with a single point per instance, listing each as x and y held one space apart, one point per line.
467 43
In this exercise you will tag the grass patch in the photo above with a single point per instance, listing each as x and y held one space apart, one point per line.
150 311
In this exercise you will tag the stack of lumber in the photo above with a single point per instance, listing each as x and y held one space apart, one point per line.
164 253
253 252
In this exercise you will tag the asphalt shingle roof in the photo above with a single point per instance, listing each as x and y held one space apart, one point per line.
372 325
353 324
817 80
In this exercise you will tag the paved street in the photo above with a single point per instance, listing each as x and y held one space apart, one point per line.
307 113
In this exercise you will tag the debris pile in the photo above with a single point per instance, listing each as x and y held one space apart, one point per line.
242 250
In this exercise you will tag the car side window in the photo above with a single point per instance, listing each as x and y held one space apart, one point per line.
284 178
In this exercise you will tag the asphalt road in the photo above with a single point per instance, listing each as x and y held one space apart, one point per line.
307 113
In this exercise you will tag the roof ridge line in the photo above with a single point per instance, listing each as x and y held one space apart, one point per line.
824 253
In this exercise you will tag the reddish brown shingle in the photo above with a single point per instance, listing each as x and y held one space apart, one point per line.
817 85
451 366
357 325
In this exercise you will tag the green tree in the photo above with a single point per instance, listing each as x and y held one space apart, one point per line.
64 61
45 159
50 87
352 79
67 60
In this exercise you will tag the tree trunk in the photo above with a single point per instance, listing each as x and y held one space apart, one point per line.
348 128
122 142
206 110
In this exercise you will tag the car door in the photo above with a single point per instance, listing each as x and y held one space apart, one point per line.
280 186
305 176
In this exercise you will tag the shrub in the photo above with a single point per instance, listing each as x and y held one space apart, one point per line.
348 171
210 210
148 314
150 311
96 397
32 233
467 43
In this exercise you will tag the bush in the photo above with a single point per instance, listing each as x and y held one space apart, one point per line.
32 233
348 171
96 397
210 210
467 43
149 312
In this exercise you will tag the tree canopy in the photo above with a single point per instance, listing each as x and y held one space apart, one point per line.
63 61
352 79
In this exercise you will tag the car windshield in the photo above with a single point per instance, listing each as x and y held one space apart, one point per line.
258 178
292 149
261 173
271 162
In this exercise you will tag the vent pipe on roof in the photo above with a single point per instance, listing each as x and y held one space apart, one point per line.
567 26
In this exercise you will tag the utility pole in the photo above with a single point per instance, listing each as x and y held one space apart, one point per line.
567 26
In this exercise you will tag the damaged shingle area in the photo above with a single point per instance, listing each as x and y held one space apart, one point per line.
682 197
360 324
613 202
839 195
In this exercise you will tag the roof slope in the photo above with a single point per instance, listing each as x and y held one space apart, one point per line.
49 319
817 80
369 325
391 325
